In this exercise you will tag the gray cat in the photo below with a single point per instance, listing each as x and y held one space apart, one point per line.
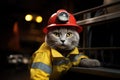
58 54
60 50
65 40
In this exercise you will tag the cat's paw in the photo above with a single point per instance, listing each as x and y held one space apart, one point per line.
90 63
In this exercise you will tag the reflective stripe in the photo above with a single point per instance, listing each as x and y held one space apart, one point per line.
42 66
60 61
78 56
75 57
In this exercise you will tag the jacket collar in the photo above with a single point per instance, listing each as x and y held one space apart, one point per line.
54 52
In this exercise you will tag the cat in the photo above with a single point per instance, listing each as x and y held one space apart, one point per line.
58 54
65 40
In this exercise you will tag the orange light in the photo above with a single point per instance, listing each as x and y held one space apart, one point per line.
38 19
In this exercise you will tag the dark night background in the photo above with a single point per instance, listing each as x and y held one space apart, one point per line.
28 35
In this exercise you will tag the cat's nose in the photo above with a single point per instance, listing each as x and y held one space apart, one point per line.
62 41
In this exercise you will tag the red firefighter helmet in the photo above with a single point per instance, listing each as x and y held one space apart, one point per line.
62 19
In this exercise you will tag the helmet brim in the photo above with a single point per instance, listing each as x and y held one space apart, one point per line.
78 28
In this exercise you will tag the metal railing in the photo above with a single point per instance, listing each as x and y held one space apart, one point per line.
96 8
105 54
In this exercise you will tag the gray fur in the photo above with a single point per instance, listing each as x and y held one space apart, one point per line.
55 37
70 42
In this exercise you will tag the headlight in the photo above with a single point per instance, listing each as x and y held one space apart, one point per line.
63 16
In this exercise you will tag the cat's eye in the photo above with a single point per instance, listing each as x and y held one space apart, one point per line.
56 34
69 34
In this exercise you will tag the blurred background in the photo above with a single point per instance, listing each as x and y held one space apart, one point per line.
21 24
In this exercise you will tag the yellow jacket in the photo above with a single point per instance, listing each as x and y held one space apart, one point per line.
49 64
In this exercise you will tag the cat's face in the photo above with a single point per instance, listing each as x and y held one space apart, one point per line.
62 38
